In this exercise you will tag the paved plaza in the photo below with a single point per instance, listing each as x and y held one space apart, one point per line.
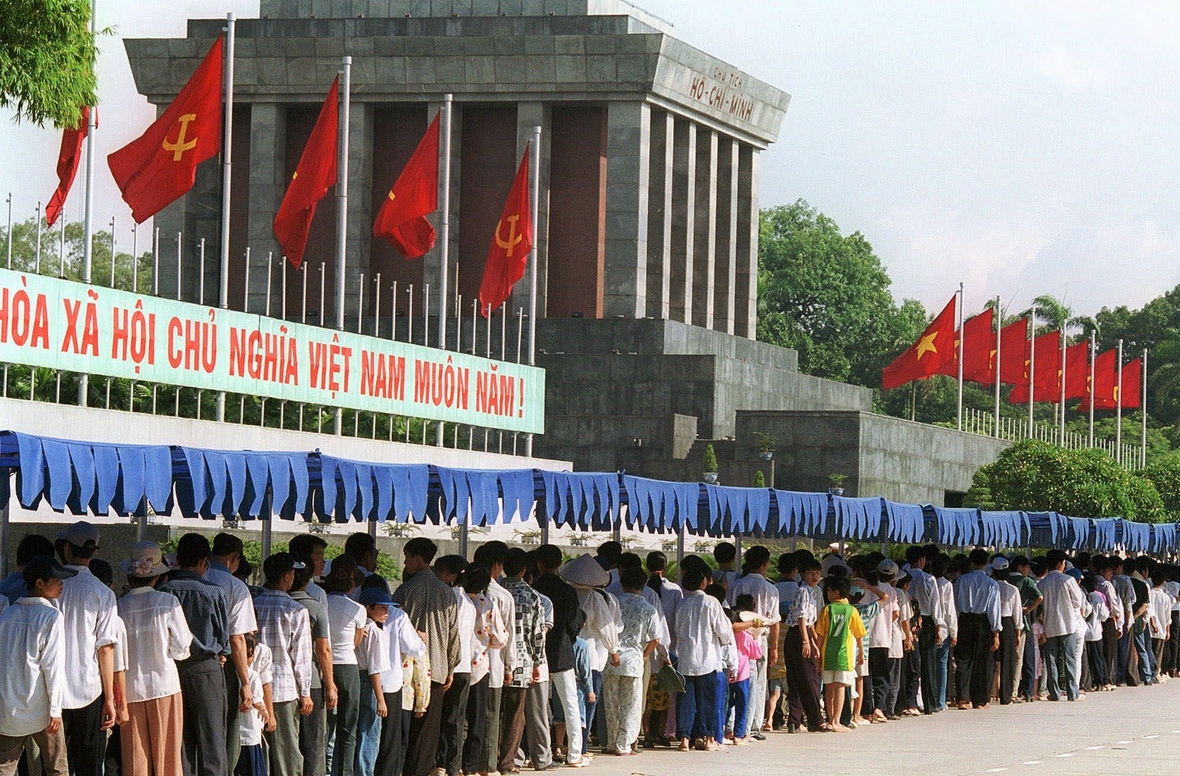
1131 731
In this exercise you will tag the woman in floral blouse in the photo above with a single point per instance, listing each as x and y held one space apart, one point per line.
491 632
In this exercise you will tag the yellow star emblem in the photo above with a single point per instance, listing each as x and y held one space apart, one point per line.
926 344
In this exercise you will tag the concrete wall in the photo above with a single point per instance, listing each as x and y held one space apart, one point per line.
881 456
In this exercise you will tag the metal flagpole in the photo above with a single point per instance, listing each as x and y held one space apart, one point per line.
1090 388
226 165
999 327
1143 417
88 220
536 215
37 263
959 414
9 233
445 236
1032 368
342 205
1062 384
1118 408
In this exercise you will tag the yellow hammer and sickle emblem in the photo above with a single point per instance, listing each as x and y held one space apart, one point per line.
182 143
513 240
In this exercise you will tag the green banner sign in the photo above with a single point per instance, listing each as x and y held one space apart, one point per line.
47 322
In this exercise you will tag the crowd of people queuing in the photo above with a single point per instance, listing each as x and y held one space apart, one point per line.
520 659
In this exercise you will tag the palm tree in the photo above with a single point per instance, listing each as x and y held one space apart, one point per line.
1054 315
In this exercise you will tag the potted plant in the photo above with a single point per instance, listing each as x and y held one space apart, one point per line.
837 480
710 464
759 480
766 444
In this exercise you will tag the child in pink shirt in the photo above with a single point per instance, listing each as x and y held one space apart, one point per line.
748 649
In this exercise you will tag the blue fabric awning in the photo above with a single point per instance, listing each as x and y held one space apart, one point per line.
1004 529
858 518
802 514
659 506
1104 534
587 501
907 522
357 490
957 526
734 511
88 477
245 484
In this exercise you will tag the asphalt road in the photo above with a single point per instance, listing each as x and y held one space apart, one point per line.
1132 730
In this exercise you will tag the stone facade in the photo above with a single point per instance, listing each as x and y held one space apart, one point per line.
670 234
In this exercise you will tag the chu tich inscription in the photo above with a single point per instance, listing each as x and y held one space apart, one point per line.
721 90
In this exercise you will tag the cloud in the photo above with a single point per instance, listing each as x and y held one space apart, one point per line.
1060 66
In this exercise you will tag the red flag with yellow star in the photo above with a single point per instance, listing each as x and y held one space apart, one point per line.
160 166
979 351
511 244
402 218
925 357
314 175
1046 372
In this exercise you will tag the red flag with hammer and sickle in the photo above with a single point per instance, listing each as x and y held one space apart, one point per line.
511 244
160 166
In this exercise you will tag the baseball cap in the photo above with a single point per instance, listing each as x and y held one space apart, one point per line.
45 567
887 568
81 534
374 596
280 563
1000 564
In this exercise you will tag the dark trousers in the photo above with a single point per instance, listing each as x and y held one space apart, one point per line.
928 655
202 687
974 659
313 736
1028 667
1097 662
911 672
1122 675
424 735
802 682
454 717
342 721
879 677
233 690
391 746
1110 650
511 725
86 741
1006 660
476 715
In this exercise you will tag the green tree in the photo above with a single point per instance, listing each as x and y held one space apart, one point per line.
47 57
826 295
1037 476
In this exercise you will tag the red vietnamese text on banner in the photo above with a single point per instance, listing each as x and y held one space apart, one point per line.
1046 372
402 219
314 175
68 159
511 244
1077 370
1014 353
979 348
925 357
1130 390
1104 382
160 166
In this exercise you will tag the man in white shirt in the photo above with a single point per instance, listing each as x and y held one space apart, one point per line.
940 569
1064 605
977 597
923 592
802 651
32 675
153 736
88 609
454 712
1012 618
756 563
491 555
226 555
702 630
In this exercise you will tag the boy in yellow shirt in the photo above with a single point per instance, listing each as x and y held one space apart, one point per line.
841 632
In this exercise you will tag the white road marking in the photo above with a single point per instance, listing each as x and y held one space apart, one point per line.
1122 742
1151 736
1067 754
995 770
1033 762
1095 748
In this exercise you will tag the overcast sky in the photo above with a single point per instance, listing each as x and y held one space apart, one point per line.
1019 147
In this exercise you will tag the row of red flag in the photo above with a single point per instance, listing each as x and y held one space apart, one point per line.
160 166
936 352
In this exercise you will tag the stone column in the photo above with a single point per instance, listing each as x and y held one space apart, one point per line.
268 184
684 161
529 115
746 287
628 142
704 229
726 225
659 215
